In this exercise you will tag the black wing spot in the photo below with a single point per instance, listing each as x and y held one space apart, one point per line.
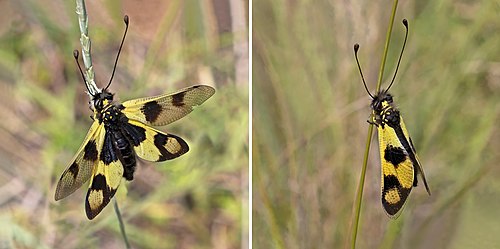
99 183
160 140
152 110
391 181
394 155
74 169
90 151
178 99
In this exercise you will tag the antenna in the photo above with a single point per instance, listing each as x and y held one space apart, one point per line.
125 19
405 22
356 48
75 54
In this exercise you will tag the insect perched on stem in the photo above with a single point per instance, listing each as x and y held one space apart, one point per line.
119 133
400 164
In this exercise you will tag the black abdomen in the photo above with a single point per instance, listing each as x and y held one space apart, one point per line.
114 120
127 155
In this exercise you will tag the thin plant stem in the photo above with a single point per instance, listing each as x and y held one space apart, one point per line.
361 183
386 47
359 192
122 225
83 23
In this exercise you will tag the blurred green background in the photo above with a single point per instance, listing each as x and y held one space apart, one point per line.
199 200
309 122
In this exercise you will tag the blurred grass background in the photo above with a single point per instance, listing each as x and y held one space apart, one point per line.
309 122
197 201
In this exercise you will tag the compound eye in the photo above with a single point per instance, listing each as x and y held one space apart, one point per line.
98 104
389 98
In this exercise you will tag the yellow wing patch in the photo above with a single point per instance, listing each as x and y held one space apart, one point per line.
165 109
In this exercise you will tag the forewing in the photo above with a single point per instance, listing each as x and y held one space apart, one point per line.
154 145
167 108
82 164
106 177
397 171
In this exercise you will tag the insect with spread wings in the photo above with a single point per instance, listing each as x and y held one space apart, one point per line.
119 133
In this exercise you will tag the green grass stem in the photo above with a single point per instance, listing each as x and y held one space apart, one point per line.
359 194
122 225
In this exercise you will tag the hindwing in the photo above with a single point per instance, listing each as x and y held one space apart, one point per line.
417 166
106 176
80 169
154 145
103 186
165 109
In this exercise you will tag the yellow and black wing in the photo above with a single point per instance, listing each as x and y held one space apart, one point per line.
167 108
398 167
106 176
154 145
80 169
